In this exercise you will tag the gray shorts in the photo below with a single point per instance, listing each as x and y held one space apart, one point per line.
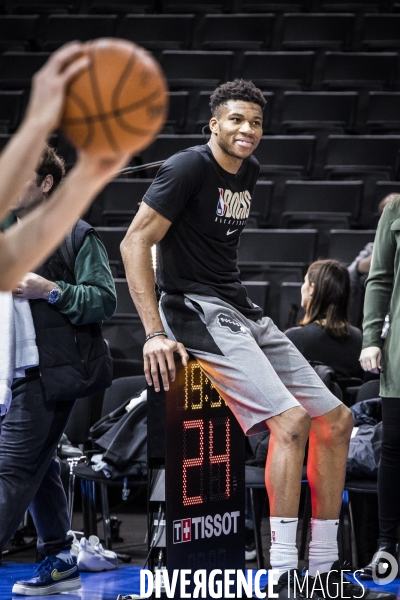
254 366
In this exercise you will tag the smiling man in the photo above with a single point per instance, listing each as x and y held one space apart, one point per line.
195 211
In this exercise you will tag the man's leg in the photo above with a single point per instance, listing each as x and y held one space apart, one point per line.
289 434
29 436
49 510
326 472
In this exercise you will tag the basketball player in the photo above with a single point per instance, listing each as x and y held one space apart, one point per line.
26 244
195 211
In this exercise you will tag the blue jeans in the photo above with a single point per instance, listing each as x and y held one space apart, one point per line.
29 467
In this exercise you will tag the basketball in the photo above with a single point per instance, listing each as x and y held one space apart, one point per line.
119 103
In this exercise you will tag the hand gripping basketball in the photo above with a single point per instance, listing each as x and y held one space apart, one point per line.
118 103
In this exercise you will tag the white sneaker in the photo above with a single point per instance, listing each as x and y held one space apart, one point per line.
93 557
75 544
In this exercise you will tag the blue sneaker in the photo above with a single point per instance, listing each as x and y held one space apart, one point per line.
53 576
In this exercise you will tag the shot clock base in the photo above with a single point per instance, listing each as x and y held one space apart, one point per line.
196 456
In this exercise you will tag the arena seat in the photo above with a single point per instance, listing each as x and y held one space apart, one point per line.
208 6
383 115
290 310
316 197
60 29
121 6
356 70
112 238
196 68
17 32
41 6
376 156
382 189
165 146
10 109
346 245
286 154
267 6
17 68
380 32
118 202
125 305
202 113
279 246
351 5
237 31
258 292
261 202
311 31
158 32
177 112
278 69
306 112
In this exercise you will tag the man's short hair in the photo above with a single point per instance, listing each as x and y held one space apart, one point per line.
238 89
50 164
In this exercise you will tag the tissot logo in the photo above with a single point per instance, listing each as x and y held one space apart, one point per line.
188 530
233 205
232 324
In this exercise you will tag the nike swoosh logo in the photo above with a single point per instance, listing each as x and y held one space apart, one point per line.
57 576
293 521
229 232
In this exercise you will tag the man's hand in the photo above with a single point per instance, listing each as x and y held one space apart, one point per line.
370 359
158 353
49 84
33 286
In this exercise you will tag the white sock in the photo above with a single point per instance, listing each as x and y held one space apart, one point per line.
65 555
283 554
323 549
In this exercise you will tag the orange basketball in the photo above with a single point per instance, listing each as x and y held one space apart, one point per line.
119 103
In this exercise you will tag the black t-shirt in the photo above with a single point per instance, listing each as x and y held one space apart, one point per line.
208 208
339 353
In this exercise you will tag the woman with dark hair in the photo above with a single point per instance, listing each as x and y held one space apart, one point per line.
325 334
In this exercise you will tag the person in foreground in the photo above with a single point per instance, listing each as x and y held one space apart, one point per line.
379 355
325 334
195 211
25 245
64 300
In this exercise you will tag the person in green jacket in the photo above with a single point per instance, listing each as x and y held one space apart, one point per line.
383 356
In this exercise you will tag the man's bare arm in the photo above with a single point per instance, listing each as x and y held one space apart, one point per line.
146 230
25 245
22 153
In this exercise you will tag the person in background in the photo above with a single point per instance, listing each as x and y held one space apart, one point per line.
358 271
63 302
325 334
383 356
25 245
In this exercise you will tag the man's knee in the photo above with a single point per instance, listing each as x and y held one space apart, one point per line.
291 427
336 426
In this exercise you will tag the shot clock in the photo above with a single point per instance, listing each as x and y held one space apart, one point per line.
196 476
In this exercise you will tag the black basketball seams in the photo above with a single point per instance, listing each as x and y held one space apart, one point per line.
98 101
117 112
85 109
